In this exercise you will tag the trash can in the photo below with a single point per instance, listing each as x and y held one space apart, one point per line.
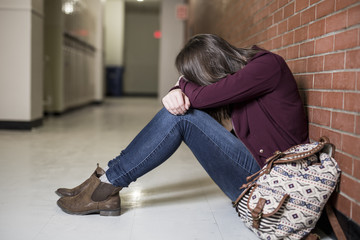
114 81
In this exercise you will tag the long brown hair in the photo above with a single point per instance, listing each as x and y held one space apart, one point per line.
207 58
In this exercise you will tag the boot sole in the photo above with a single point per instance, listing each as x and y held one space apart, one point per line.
115 212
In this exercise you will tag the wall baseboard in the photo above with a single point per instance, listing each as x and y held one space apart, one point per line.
21 125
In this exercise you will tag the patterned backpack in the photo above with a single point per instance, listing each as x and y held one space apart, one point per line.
284 200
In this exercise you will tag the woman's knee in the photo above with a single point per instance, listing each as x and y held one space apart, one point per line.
164 114
193 115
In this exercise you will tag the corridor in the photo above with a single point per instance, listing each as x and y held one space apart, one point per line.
176 201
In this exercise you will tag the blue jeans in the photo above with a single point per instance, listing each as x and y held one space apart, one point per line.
224 157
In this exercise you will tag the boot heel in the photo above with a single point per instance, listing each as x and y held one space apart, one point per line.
111 213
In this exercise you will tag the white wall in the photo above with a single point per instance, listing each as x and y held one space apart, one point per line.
171 43
114 32
21 63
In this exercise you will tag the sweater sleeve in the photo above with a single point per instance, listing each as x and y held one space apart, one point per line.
260 76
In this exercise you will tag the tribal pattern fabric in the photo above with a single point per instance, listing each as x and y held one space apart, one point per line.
293 192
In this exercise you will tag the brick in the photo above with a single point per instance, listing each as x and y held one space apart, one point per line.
325 8
292 52
345 162
344 80
289 10
291 64
322 80
357 128
351 145
355 210
282 52
351 102
301 4
343 121
308 15
277 42
307 49
262 36
353 16
309 113
294 21
288 38
268 21
279 15
299 66
334 137
259 15
324 45
315 64
304 81
253 31
333 100
353 59
314 1
345 40
261 4
314 132
282 27
267 45
349 187
340 4
336 22
334 61
282 3
356 168
273 6
321 117
271 32
317 28
313 98
301 34
303 100
342 204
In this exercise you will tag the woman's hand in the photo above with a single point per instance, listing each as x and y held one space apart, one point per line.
176 102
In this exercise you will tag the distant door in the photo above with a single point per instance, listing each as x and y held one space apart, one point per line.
141 48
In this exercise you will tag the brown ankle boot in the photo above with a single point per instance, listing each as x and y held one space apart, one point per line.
96 197
66 192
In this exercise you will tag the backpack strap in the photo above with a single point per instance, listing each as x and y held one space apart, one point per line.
286 158
334 223
339 233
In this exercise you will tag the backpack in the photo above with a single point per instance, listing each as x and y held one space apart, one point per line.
284 200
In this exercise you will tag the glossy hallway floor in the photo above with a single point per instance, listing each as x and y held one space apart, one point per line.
176 201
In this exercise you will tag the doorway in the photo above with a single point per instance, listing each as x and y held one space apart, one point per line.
141 50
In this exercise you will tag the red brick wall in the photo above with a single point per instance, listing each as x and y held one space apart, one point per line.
319 39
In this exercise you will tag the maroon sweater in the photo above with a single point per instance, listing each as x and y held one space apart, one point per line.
267 112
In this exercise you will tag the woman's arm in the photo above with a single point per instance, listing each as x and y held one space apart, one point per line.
258 77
